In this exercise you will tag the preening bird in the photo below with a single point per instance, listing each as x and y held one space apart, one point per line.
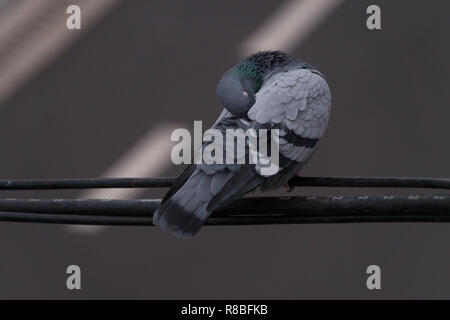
269 90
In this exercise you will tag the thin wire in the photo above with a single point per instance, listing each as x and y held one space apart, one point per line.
89 183
247 211
163 182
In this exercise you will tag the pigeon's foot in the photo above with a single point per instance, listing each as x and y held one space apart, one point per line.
288 186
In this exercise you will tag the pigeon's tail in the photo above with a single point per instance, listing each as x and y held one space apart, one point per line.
180 221
184 213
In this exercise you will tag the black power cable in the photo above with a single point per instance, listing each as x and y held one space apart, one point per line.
342 182
247 211
90 183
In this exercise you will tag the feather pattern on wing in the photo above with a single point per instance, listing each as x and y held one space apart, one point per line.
303 102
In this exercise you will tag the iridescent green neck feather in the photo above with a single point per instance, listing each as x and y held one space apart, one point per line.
255 66
250 71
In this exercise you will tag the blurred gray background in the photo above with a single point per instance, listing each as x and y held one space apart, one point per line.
102 101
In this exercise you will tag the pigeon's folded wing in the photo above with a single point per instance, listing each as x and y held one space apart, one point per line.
297 102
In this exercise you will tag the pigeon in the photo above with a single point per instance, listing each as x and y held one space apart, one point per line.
268 89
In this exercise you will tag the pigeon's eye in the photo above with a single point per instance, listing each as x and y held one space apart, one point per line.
245 93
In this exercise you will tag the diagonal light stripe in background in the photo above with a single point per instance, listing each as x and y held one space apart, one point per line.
33 33
148 157
288 26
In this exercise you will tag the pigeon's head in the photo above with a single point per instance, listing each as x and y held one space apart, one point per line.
236 90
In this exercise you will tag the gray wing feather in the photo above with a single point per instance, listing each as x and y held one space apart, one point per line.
296 101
